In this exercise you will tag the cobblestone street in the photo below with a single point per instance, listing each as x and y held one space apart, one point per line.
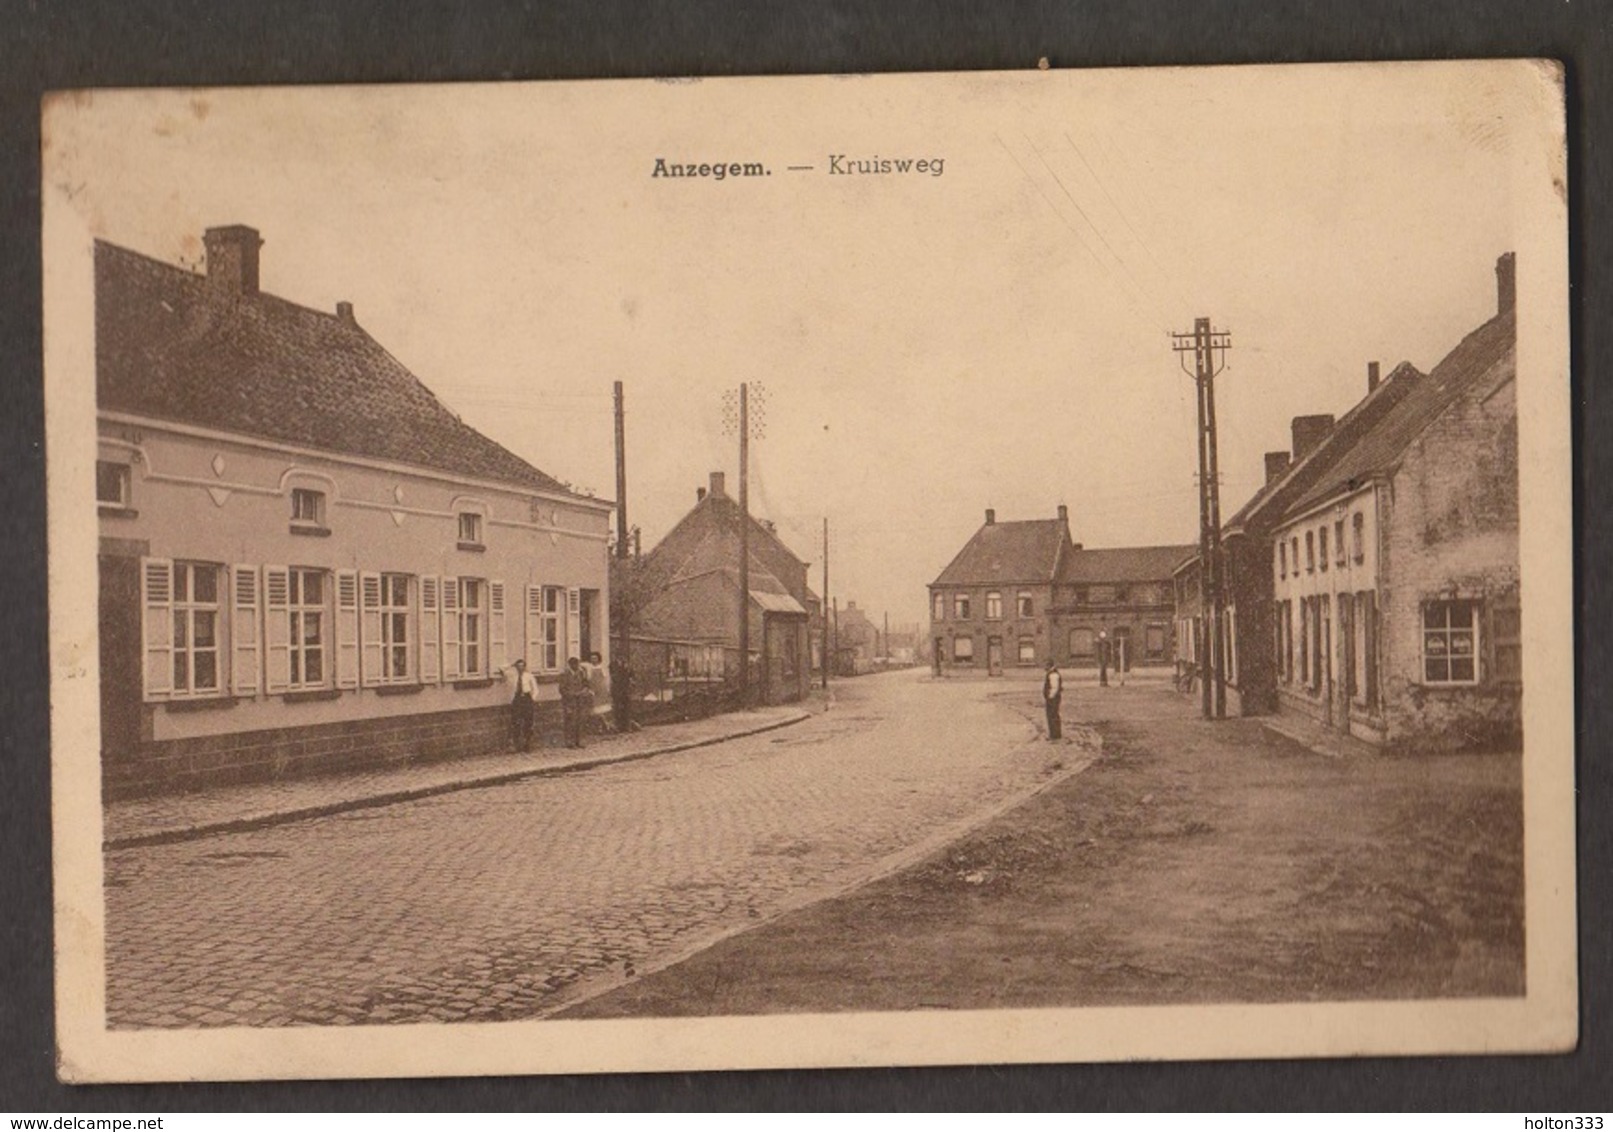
512 901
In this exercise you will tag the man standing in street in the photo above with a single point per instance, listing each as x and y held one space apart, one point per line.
1052 698
574 701
522 706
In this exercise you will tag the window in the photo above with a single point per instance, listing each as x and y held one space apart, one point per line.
553 606
1081 643
1358 530
307 507
1027 650
1305 640
960 606
395 607
196 626
1079 595
1122 594
1102 595
306 608
1154 642
1450 639
1310 552
1282 560
938 607
994 606
1338 543
470 528
963 650
1321 552
472 615
111 484
1366 606
1293 554
1027 607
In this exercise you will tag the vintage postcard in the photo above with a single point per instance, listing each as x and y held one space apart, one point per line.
865 570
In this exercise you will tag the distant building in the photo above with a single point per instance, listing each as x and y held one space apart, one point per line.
1021 593
692 587
1395 574
856 639
306 560
1117 605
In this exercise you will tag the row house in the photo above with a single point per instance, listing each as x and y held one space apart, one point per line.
691 596
1023 593
306 561
1396 574
1319 441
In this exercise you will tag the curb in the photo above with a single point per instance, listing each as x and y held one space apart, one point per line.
393 797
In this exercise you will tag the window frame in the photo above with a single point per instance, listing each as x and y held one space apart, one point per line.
994 605
184 612
1338 542
473 642
1322 556
1025 603
298 610
938 606
960 606
125 479
301 495
471 525
390 611
1026 645
1358 529
967 653
1450 632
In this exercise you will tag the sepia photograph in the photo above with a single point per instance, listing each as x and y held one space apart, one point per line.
810 571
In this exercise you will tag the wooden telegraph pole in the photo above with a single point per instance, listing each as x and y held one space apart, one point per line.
744 425
824 609
1209 347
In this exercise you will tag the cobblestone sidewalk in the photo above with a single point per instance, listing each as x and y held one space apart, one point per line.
181 817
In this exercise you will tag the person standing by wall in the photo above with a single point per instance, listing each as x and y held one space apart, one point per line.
522 706
599 701
574 701
1053 700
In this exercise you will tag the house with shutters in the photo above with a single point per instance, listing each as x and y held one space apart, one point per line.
1395 572
307 561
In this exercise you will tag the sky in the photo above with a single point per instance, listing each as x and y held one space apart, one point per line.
925 346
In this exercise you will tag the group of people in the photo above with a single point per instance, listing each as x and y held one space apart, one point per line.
585 692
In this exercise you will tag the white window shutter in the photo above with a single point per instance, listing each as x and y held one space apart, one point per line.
369 629
450 629
246 655
157 626
276 629
430 630
497 641
534 628
347 628
574 624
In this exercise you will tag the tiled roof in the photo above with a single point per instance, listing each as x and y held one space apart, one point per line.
254 364
1123 564
1305 472
1379 451
1006 553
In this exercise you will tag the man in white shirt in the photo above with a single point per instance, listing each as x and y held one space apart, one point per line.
522 707
1052 699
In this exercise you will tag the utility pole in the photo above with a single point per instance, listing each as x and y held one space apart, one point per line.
1208 347
621 476
887 653
823 661
743 424
621 661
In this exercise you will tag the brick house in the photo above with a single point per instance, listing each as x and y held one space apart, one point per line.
306 560
1021 593
691 583
1117 605
1248 541
1395 577
989 606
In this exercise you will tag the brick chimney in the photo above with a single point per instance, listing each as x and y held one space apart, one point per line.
1309 432
991 516
232 259
344 311
717 482
1276 465
699 495
1064 514
1506 283
1372 376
